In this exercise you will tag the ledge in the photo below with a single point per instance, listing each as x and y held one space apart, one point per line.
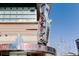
28 47
18 22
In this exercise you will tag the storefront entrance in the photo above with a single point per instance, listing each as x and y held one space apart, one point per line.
22 53
4 53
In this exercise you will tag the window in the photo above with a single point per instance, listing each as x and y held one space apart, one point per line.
17 13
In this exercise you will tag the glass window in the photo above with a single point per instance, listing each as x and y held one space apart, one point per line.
15 13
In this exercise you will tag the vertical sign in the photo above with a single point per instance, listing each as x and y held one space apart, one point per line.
43 24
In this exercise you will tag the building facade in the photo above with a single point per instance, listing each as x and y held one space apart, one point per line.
19 24
77 44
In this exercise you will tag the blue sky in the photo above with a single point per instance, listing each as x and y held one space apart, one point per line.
65 27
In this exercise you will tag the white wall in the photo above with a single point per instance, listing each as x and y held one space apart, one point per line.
28 36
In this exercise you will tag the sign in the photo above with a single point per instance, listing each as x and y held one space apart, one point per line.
4 47
17 53
43 26
44 9
51 50
27 46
